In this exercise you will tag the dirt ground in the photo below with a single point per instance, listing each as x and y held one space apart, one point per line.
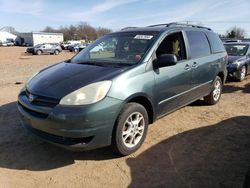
196 146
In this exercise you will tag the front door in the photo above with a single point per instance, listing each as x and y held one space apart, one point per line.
172 83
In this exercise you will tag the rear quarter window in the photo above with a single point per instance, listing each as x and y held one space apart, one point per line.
198 44
216 43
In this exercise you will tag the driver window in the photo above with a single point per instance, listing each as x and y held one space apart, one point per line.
173 44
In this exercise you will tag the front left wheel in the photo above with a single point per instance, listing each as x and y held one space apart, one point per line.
131 129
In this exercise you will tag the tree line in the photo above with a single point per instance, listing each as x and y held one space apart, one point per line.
81 31
89 33
235 33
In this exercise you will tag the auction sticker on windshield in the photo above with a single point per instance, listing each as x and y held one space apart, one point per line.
143 37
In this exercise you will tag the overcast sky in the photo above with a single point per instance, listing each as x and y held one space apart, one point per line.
34 15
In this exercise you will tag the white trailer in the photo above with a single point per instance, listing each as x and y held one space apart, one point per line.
6 36
34 38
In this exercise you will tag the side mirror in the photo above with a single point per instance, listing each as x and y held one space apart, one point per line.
165 60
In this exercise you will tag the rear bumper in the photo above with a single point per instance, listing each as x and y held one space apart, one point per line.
85 127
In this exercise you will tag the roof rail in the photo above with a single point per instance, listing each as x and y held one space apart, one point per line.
179 24
126 28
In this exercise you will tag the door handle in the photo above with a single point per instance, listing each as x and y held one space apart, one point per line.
187 67
194 65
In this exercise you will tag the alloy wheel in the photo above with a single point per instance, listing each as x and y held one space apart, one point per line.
133 130
217 90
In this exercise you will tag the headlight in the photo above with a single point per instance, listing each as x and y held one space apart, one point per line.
87 95
237 63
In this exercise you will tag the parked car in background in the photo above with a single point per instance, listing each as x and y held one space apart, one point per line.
66 44
71 47
109 98
79 47
45 48
7 43
238 59
232 40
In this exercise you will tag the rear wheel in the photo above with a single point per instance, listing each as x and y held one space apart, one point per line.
241 74
131 129
39 52
216 92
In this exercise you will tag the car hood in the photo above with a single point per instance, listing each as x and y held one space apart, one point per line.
231 59
63 78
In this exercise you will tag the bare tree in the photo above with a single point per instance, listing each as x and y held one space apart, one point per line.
49 29
236 32
103 31
9 29
81 31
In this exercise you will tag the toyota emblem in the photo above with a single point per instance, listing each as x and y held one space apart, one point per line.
31 98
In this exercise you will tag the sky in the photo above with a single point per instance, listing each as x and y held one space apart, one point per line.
35 15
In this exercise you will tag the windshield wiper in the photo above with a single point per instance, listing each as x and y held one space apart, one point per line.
68 61
92 63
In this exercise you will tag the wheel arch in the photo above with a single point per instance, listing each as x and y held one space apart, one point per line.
222 76
39 50
146 102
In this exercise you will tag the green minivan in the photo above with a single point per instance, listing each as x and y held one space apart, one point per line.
109 92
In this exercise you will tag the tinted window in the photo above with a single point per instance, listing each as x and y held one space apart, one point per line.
216 43
198 44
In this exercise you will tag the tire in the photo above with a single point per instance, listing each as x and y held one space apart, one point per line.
56 52
38 52
216 92
128 137
241 73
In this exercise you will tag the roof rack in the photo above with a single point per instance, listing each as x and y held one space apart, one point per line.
126 28
179 24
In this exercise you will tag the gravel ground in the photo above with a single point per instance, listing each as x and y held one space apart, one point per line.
196 146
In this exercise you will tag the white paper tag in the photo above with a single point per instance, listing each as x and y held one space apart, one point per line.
143 37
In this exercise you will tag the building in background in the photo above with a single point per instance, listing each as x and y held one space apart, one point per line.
34 38
7 37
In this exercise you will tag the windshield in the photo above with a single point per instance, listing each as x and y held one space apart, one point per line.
119 48
236 49
38 46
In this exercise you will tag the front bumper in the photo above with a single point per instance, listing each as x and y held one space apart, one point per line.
84 127
30 50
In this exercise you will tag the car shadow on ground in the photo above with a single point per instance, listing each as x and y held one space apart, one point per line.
213 156
232 87
21 150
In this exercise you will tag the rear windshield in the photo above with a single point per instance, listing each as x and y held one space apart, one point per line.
236 49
